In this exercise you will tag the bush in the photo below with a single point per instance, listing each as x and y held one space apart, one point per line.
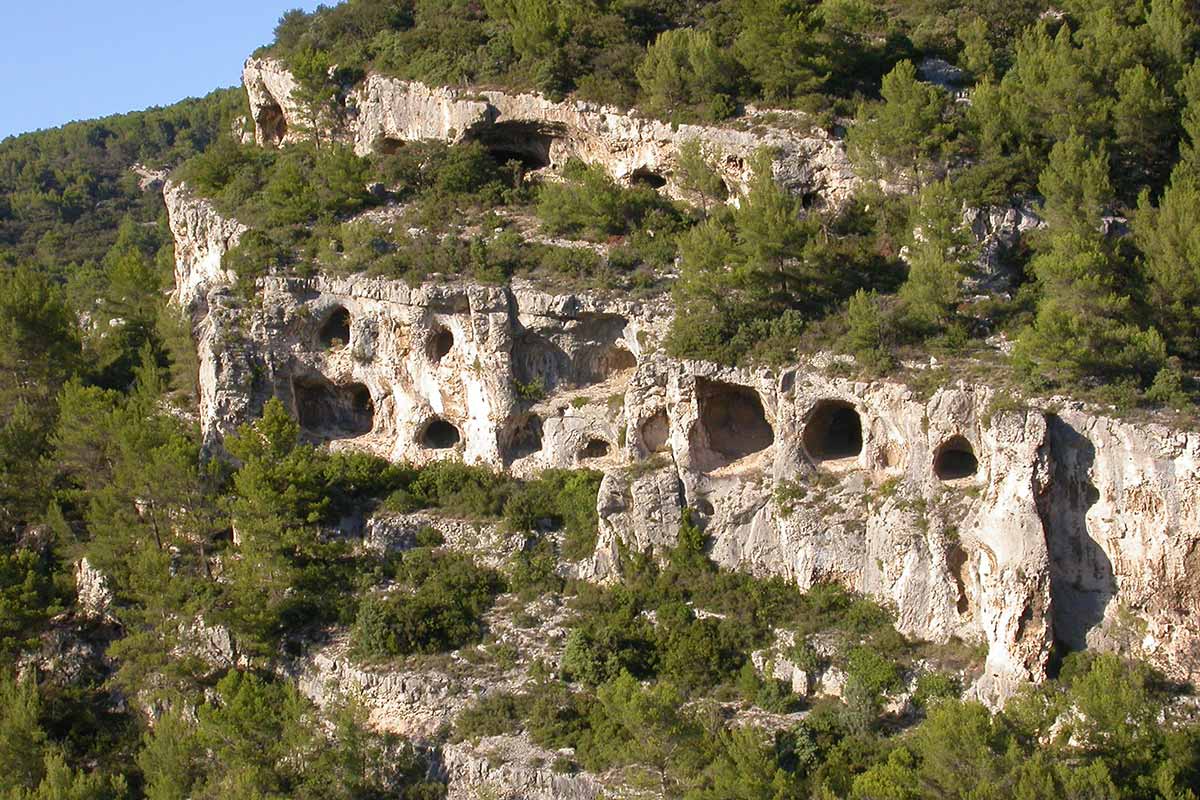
441 608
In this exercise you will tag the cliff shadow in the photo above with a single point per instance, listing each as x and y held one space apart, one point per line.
1081 575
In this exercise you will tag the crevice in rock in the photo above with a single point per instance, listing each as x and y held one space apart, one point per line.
655 432
833 432
326 411
1082 579
595 448
956 560
439 435
335 331
603 362
732 420
955 459
440 344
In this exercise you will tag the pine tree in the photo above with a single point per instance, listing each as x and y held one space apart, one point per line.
1188 90
1075 187
780 48
1144 131
903 139
684 69
697 177
1169 239
938 256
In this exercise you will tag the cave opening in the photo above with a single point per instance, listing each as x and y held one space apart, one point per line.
271 123
525 142
655 431
440 344
525 438
834 431
733 419
440 435
646 177
388 146
330 411
595 448
614 360
955 460
335 331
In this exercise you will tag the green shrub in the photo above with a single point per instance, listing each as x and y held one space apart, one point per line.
440 609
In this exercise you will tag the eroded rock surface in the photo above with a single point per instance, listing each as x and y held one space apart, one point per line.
383 113
1009 527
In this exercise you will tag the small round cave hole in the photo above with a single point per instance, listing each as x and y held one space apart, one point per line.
833 431
733 419
955 460
440 435
595 448
440 344
335 331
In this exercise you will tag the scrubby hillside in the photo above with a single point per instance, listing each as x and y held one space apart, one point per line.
656 398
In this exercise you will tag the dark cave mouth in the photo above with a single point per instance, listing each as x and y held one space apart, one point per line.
833 431
955 460
733 419
440 435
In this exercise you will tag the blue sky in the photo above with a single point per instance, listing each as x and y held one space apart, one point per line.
63 60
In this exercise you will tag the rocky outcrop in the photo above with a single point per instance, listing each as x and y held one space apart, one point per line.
202 238
382 113
1010 527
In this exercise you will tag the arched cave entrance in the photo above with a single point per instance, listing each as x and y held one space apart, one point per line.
655 432
335 331
834 431
271 123
525 142
955 459
333 412
733 419
603 362
646 177
595 448
440 435
440 344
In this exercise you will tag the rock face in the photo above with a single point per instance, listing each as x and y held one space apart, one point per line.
1009 527
382 113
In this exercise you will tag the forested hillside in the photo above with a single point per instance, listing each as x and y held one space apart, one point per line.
165 667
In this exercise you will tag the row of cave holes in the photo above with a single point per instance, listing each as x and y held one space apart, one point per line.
526 440
835 432
327 411
737 426
335 332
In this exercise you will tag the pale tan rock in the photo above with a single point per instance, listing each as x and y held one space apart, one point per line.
387 112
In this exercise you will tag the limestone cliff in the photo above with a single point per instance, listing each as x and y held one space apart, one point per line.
1010 527
383 113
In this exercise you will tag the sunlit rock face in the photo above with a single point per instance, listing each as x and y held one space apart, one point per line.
381 114
1009 527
